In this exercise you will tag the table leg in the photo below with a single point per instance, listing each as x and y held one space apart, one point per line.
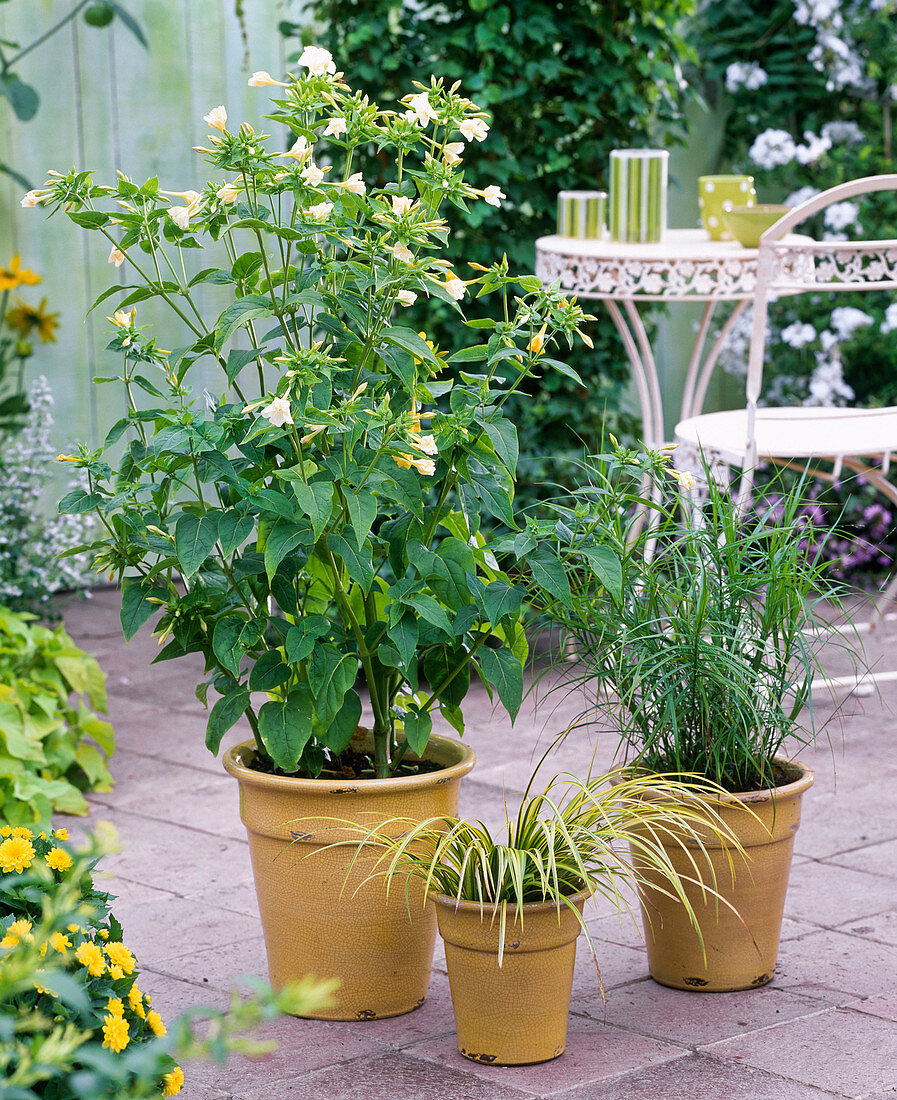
697 383
638 350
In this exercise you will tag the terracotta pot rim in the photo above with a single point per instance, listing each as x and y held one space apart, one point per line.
233 761
792 789
486 908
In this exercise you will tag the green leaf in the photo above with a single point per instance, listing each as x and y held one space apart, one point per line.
439 664
90 219
232 637
237 359
493 489
22 97
357 561
194 538
562 368
282 539
548 571
99 15
135 605
362 512
418 725
503 437
233 531
606 566
225 713
268 672
78 501
240 313
316 501
341 730
330 675
286 726
429 609
130 22
505 673
409 341
501 599
404 634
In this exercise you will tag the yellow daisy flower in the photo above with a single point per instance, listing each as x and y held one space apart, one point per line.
156 1023
104 933
16 854
173 1082
135 1001
61 834
26 317
23 831
19 930
60 943
119 955
14 275
115 1006
115 1032
58 859
89 955
116 972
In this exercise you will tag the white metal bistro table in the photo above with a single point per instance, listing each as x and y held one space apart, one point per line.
686 266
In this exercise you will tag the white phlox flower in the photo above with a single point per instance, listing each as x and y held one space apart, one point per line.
216 118
317 60
474 129
279 412
772 148
336 127
420 109
493 195
798 334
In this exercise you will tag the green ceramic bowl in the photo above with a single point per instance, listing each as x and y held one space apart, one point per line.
747 224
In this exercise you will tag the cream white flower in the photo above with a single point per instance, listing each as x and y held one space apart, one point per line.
117 257
451 153
228 193
123 318
321 211
355 184
262 79
317 60
312 175
300 150
406 297
686 480
420 109
30 199
493 194
425 466
279 412
425 443
401 204
335 127
216 118
474 129
402 253
455 286
180 215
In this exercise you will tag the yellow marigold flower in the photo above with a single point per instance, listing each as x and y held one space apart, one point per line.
61 834
173 1082
103 933
60 943
16 854
23 831
19 930
115 1032
6 831
135 1001
157 1027
14 275
116 972
115 1006
58 859
119 955
73 928
89 955
42 836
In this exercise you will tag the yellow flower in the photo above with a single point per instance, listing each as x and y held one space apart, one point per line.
23 831
122 318
89 955
115 1032
103 933
58 859
115 972
16 854
60 943
6 831
686 480
156 1025
119 955
18 931
14 275
115 1006
537 344
24 318
73 928
135 1001
117 257
61 834
173 1082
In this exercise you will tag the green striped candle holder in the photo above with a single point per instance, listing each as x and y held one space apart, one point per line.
582 214
638 195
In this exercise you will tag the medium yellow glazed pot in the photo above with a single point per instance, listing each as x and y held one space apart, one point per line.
515 1015
314 921
742 949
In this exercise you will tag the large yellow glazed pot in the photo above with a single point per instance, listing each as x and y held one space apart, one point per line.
314 921
515 1015
742 946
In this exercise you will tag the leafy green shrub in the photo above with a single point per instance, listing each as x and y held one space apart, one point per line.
565 84
52 746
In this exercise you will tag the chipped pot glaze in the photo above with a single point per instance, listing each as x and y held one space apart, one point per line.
515 1015
317 916
742 949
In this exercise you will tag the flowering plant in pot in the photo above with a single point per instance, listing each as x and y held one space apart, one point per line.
510 905
703 658
316 519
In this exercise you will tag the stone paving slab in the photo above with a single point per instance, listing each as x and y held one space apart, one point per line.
825 1027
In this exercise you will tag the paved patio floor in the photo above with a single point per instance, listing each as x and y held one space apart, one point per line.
826 1026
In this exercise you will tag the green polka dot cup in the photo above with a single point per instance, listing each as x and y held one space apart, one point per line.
719 193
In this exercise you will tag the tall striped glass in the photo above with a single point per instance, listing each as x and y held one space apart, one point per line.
638 195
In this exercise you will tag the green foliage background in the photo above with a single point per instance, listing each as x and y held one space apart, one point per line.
565 83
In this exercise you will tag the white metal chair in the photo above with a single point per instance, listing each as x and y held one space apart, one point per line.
862 440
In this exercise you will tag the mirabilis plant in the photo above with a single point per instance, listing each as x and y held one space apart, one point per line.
318 518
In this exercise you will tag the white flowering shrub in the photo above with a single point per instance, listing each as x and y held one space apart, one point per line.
31 569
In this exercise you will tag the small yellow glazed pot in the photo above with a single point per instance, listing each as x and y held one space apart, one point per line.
719 193
319 917
515 1015
741 946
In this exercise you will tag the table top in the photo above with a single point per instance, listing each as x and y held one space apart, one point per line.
685 266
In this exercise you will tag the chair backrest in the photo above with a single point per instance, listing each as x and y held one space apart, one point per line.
799 264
